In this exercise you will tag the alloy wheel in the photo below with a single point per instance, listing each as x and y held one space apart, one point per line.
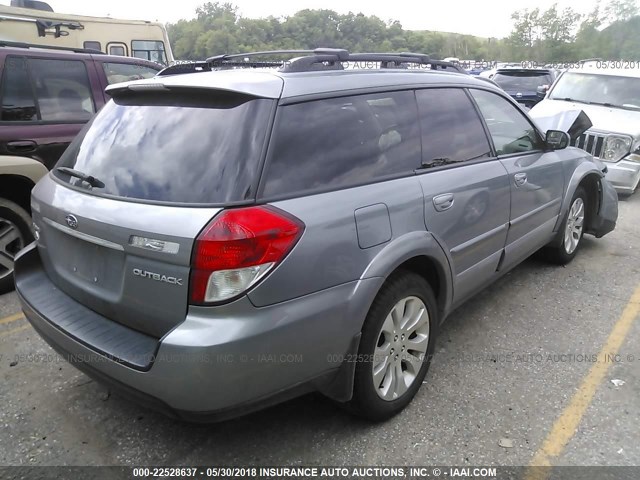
402 344
11 242
574 226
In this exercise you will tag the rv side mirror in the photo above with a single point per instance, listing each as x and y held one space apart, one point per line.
557 139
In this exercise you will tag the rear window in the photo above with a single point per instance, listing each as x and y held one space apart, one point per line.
522 80
171 147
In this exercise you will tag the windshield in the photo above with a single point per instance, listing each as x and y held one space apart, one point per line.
598 89
529 81
173 148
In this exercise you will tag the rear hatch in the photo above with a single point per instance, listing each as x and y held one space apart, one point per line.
118 216
522 85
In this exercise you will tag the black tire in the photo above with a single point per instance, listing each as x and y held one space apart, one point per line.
557 252
366 402
14 214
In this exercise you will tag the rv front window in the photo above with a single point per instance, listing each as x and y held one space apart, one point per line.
149 50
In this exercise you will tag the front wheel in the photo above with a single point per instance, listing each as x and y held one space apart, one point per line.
572 230
396 347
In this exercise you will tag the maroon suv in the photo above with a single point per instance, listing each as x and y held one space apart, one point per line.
47 94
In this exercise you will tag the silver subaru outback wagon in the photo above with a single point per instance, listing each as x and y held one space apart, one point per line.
219 239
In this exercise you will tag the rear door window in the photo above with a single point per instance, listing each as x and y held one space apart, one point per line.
124 72
340 142
177 147
61 89
18 102
451 127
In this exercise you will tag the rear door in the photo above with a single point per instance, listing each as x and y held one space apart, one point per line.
466 198
536 177
123 248
45 101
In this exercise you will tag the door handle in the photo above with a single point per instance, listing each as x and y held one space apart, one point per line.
520 179
443 202
21 146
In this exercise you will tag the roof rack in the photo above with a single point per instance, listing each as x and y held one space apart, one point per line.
4 43
323 59
184 67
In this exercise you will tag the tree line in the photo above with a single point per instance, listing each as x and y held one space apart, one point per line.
552 35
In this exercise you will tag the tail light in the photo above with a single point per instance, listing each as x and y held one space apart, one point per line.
238 248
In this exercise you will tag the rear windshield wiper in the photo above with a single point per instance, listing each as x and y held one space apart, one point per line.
438 162
93 181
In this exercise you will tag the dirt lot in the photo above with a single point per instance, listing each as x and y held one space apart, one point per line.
513 367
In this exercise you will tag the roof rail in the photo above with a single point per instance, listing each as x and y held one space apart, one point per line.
184 67
4 43
325 59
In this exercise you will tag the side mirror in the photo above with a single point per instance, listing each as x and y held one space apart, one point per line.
541 91
557 139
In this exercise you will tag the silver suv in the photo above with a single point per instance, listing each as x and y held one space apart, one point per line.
222 238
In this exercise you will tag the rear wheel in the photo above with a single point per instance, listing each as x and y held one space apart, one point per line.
396 347
15 234
571 231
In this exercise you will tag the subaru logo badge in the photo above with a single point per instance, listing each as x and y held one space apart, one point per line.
72 221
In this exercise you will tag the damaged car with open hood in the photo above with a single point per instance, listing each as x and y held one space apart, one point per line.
611 99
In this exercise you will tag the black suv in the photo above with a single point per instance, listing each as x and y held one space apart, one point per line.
525 84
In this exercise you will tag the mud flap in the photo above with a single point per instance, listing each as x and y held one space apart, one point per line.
340 387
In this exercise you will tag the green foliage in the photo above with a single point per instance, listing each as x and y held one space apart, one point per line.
218 29
552 35
567 36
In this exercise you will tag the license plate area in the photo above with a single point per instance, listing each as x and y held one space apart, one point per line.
84 263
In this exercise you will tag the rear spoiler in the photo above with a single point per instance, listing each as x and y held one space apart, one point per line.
574 122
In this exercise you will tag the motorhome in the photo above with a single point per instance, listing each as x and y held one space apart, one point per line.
35 22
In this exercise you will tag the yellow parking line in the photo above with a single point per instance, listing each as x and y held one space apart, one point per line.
11 318
566 425
15 330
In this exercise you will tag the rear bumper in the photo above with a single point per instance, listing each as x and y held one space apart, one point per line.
220 362
623 175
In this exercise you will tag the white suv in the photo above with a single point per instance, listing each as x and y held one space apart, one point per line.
611 99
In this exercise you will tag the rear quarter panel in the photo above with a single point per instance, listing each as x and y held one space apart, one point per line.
330 252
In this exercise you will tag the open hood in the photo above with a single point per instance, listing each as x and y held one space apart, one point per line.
574 122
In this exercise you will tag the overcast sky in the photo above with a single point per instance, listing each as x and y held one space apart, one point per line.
476 17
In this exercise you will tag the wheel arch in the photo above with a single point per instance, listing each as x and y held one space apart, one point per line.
421 253
17 188
589 177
